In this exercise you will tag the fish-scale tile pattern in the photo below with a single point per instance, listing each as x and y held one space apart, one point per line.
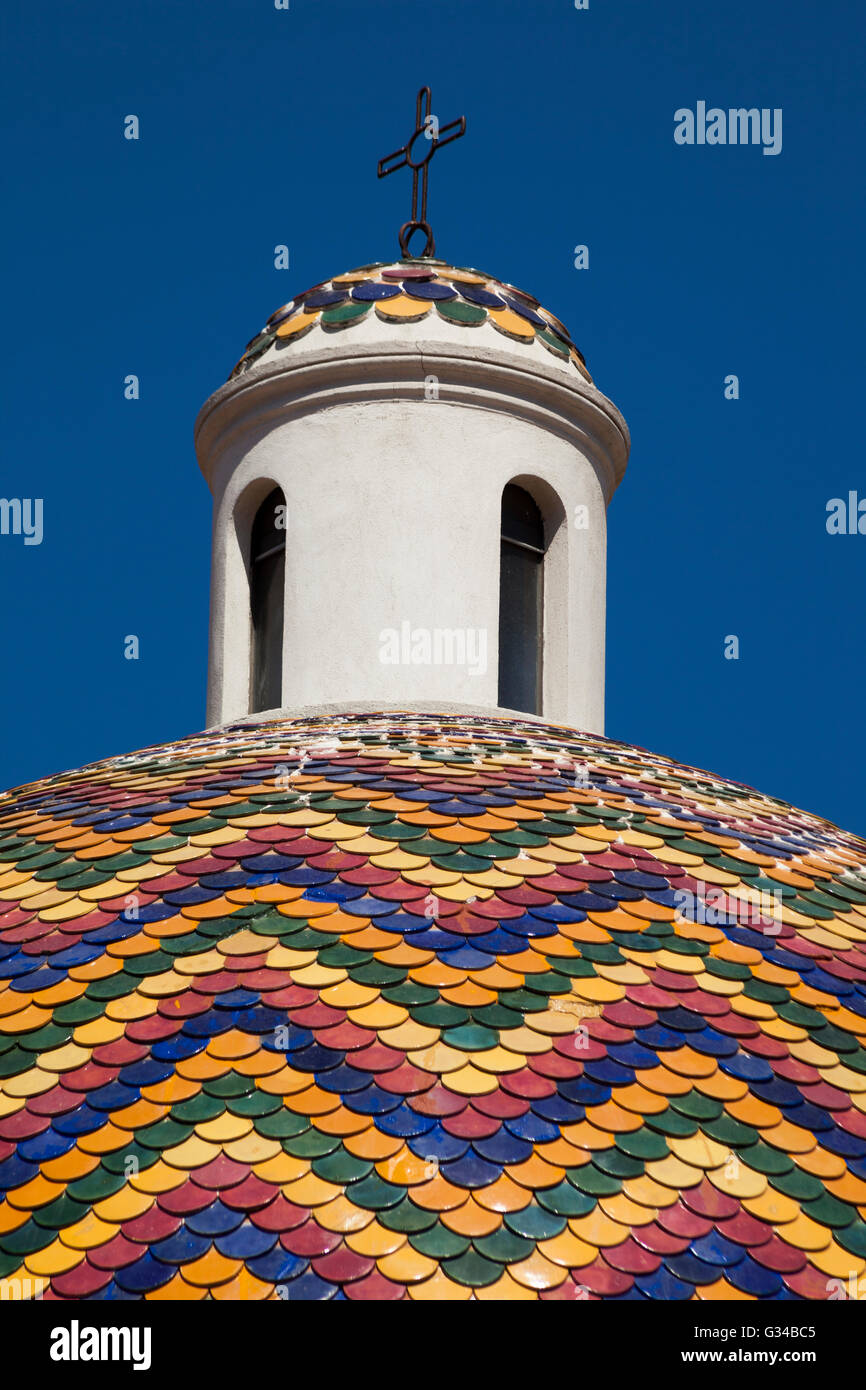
410 292
424 1007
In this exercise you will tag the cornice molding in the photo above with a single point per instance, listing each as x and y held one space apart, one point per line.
476 376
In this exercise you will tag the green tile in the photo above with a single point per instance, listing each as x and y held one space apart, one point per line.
118 1162
578 968
523 1001
765 993
470 1037
496 1016
341 1166
14 1062
343 956
96 1185
535 1222
309 940
197 1109
504 1246
282 1124
407 1218
114 987
218 928
472 1270
312 1143
455 311
835 1040
802 1187
522 839
342 315
670 1122
440 1015
374 1193
232 1084
399 831
26 1240
364 815
551 982
592 1181
63 1211
410 994
830 1211
618 1164
257 1103
189 945
375 973
438 1243
727 1130
765 1159
165 1134
643 1144
853 1238
9 1264
697 1106
566 1200
160 844
154 963
602 952
460 862
493 849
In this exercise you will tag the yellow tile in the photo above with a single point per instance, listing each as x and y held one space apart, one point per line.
124 1205
406 1265
36 1193
537 1272
175 1291
244 1287
252 1148
379 1014
439 1289
773 1206
737 1180
699 1151
342 1215
471 1219
159 1177
836 1262
211 1269
224 1127
311 1191
507 1290
568 1249
88 1233
598 1229
56 1258
805 1234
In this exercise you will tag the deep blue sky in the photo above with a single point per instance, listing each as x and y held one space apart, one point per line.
260 127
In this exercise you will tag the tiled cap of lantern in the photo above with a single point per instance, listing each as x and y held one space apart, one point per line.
422 1007
430 295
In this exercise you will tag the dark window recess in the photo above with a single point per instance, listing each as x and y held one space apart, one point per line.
521 601
267 584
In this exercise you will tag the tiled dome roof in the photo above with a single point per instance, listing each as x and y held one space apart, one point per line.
415 292
413 1006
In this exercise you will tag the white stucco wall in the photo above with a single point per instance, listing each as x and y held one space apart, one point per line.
394 513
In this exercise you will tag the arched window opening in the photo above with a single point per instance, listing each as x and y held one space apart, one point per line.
267 583
521 601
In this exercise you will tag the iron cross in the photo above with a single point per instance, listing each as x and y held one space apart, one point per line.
427 136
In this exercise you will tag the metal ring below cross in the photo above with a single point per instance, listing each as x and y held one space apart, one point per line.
407 231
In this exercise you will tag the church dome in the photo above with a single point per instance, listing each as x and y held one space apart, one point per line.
416 299
391 1005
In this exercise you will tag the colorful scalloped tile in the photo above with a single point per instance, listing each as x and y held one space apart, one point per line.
408 1006
408 292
